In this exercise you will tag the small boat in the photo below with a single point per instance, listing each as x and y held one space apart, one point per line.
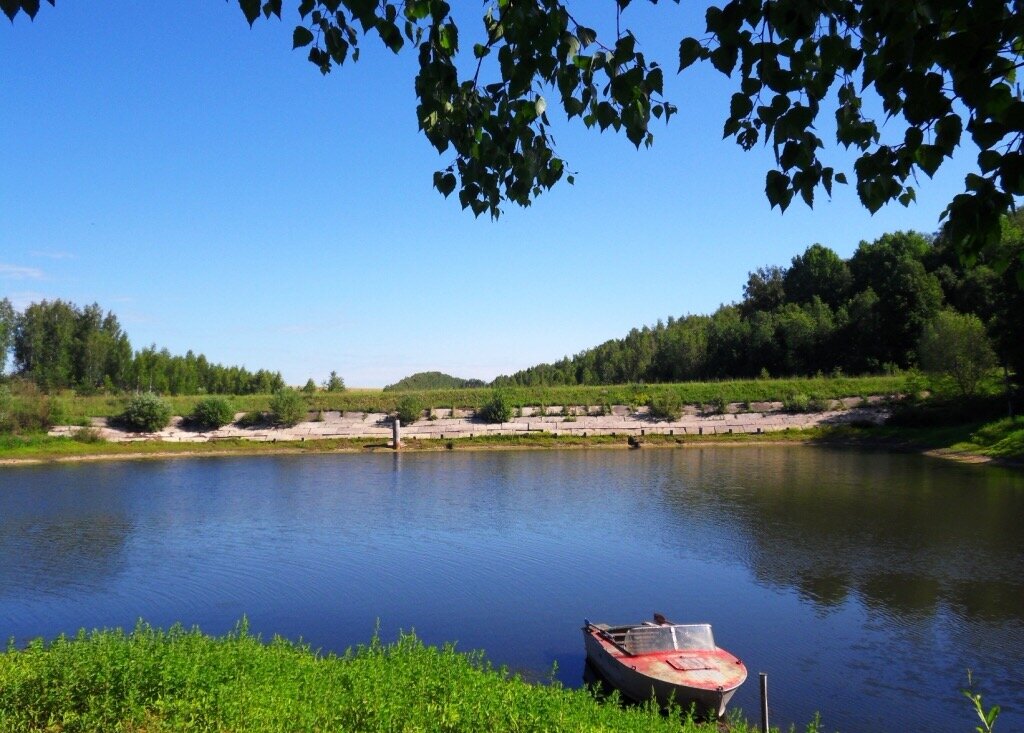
673 663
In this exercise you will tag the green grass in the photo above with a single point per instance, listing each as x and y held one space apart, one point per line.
177 680
79 408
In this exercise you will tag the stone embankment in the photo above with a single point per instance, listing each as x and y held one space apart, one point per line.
765 417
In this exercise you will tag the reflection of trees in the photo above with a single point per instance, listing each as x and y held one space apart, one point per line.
904 534
43 557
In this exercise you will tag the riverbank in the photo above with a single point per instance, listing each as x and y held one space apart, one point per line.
155 680
949 443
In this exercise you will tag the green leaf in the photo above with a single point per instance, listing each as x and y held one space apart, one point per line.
740 106
689 51
841 178
586 35
251 9
445 183
272 7
302 36
777 189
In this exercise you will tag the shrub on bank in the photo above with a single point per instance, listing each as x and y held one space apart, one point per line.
666 406
212 413
410 409
24 408
146 413
498 409
287 407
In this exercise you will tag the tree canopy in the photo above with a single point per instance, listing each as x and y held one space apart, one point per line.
937 72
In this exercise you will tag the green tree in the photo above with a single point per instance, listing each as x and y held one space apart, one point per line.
908 296
287 407
765 290
956 344
818 272
309 387
8 324
44 344
334 383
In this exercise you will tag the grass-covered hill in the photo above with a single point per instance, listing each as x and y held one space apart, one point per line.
432 380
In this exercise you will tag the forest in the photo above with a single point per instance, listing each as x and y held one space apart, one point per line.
57 345
823 315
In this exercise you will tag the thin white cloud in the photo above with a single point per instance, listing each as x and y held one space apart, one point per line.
24 299
54 255
17 272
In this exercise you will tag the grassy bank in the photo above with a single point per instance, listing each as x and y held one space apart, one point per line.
79 408
152 680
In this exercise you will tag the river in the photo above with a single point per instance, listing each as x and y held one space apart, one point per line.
865 583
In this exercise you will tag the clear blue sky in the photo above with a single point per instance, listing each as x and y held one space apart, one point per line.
210 187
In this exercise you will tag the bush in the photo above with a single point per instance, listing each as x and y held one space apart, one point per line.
666 406
88 435
716 406
23 407
817 404
498 409
410 409
146 413
212 413
796 403
251 419
287 407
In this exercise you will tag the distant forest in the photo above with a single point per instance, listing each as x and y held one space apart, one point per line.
822 314
432 380
58 345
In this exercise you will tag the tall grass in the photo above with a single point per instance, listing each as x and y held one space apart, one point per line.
153 680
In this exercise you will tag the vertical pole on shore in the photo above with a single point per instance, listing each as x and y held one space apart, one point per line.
764 702
396 433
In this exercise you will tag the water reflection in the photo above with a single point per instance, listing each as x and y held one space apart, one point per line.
905 535
865 582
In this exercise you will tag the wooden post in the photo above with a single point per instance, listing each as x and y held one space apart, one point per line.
764 702
396 433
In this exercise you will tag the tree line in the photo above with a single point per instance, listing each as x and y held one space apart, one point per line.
823 314
58 345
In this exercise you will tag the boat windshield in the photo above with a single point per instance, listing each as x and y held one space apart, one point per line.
675 637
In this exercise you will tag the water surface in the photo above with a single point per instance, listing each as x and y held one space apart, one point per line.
864 583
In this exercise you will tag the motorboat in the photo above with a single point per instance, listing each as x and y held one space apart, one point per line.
676 664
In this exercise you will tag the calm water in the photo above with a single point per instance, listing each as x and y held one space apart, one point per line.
864 583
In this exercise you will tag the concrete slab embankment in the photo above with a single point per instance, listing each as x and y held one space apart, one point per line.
577 422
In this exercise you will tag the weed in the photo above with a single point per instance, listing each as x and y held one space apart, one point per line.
666 406
88 435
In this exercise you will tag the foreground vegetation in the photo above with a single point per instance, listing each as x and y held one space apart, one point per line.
179 679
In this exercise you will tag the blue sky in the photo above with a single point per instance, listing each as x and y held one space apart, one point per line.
210 187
